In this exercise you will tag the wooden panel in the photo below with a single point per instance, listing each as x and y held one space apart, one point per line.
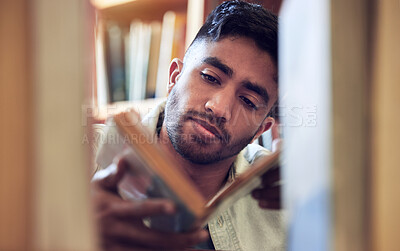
350 92
386 127
141 9
62 219
15 133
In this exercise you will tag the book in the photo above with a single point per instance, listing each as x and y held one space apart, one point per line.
155 42
102 90
140 35
132 55
127 46
115 62
172 45
179 37
167 39
153 174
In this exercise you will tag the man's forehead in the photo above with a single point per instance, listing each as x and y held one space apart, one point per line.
203 48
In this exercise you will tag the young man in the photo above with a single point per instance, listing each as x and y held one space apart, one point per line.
219 100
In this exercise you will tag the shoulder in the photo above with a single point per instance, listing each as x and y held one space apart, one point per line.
254 151
151 119
248 155
108 143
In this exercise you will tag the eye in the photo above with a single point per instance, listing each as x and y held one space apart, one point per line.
209 78
248 102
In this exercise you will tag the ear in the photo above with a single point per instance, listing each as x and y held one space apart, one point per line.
175 69
265 126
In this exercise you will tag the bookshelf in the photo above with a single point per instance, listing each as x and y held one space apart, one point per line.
128 68
135 41
44 194
147 10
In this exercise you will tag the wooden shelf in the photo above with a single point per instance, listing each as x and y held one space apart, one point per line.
146 10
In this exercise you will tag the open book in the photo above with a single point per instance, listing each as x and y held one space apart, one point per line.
154 175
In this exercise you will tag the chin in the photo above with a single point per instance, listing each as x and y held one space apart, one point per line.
200 153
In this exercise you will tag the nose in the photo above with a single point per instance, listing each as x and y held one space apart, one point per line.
220 104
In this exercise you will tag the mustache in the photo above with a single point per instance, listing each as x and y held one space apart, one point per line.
218 122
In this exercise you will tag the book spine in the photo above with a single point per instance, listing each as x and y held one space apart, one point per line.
116 63
167 39
101 68
153 59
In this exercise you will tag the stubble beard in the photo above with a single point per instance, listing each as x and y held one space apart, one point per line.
192 147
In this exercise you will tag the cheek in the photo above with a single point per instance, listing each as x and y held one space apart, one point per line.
192 91
245 118
245 123
241 129
182 99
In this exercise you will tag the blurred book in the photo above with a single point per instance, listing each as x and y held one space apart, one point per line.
153 59
115 62
102 91
127 45
178 43
140 38
172 45
132 60
153 174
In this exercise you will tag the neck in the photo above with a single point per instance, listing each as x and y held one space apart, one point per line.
208 178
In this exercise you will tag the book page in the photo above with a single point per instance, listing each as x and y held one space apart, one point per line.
243 184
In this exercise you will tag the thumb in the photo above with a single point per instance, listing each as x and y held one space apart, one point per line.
110 177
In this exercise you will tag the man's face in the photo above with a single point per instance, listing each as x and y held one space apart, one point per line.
219 100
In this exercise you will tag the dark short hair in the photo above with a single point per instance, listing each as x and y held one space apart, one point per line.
242 19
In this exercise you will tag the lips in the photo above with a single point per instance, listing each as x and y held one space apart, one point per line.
211 129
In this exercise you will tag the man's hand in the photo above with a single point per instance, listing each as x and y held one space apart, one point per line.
269 195
120 222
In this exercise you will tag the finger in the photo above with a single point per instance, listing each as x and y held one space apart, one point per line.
118 245
124 224
104 201
158 239
272 205
145 208
110 177
141 236
267 193
271 177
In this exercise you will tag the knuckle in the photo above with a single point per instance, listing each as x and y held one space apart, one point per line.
106 229
146 206
106 211
192 239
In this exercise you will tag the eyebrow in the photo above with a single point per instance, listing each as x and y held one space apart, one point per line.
261 91
218 64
